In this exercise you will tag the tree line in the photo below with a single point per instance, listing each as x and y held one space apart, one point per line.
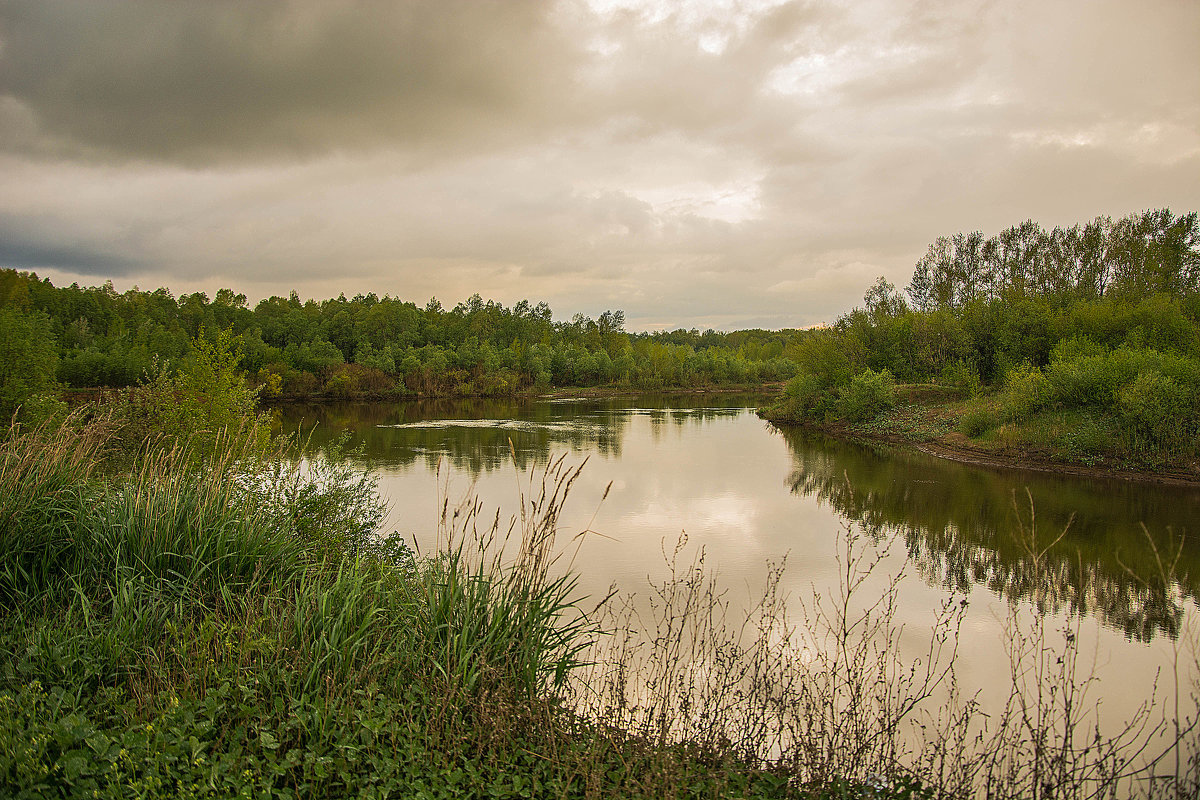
1101 318
363 346
1148 253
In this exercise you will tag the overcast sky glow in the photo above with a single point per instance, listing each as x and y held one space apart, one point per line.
707 163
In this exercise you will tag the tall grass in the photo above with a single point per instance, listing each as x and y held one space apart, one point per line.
222 599
165 520
44 473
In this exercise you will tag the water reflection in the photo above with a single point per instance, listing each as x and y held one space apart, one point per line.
478 435
1094 545
707 465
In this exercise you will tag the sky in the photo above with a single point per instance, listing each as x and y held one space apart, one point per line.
724 164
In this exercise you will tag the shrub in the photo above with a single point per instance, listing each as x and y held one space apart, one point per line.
1026 390
207 399
962 376
1157 413
805 396
977 422
43 408
1077 347
1089 380
301 384
341 385
867 394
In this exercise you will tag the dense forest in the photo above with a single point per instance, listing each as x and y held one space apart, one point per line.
1101 319
364 346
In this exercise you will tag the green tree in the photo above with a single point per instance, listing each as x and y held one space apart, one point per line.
206 402
28 359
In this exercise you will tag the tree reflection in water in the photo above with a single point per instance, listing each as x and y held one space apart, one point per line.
960 522
473 435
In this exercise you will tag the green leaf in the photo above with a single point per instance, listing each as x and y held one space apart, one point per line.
73 765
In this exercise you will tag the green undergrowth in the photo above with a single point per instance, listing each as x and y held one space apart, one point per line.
1144 434
232 626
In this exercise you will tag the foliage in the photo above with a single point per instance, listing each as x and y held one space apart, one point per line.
1147 253
1159 412
1026 390
28 359
206 399
168 631
867 395
977 422
1103 317
385 347
961 376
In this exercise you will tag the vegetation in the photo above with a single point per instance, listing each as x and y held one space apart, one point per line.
190 613
370 346
28 360
194 612
1091 329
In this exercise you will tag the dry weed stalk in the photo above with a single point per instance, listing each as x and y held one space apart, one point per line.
833 699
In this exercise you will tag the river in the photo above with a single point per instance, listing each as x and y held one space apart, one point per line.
748 494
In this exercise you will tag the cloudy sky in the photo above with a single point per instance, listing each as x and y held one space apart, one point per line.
709 163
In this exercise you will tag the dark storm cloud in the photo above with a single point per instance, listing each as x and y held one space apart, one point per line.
202 81
19 250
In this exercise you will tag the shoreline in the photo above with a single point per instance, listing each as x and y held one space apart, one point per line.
956 447
583 392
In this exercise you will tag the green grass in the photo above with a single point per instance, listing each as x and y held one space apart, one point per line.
174 631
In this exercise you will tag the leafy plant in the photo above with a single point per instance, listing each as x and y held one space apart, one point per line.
866 396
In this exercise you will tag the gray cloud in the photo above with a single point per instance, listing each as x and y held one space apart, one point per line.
729 162
198 82
21 250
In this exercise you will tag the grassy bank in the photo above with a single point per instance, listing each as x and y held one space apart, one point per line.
998 427
230 623
237 629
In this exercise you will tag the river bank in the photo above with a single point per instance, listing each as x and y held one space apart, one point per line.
78 396
935 420
531 393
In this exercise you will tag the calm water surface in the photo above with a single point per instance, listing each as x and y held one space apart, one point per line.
749 493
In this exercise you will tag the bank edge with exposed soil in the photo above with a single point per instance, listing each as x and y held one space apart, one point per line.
926 418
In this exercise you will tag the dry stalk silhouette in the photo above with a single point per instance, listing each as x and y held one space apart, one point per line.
828 697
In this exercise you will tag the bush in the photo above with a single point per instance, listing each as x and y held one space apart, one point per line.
1083 379
1157 413
977 422
1026 390
806 396
341 386
43 408
961 376
868 394
207 400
